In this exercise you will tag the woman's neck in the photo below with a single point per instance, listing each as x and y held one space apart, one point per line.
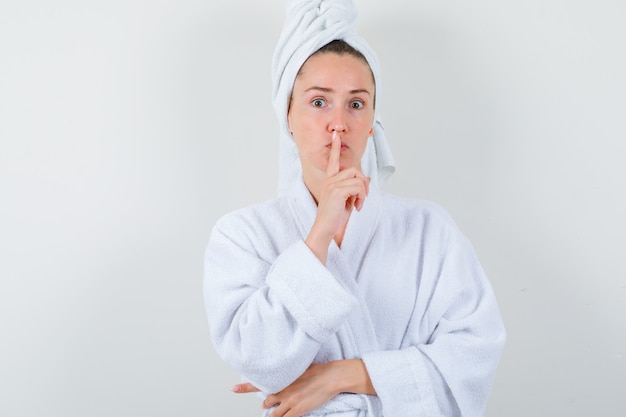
314 185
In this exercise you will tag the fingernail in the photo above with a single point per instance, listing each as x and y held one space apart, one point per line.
235 388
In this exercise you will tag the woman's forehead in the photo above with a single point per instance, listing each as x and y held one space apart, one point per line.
331 70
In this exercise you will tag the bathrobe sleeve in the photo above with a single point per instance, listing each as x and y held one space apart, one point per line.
449 355
268 315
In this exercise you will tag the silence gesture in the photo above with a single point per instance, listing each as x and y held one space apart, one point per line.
341 192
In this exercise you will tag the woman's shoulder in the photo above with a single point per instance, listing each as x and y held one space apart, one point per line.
254 218
415 218
416 208
256 211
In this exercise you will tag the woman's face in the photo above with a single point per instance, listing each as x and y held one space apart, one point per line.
332 92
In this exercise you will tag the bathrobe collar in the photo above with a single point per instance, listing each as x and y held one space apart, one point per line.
345 263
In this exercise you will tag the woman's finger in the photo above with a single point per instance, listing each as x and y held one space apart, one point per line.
335 154
244 388
350 203
270 401
352 187
280 411
347 174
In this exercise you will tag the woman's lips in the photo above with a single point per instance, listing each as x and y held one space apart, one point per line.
343 146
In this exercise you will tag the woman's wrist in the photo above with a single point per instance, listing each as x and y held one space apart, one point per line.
353 377
318 245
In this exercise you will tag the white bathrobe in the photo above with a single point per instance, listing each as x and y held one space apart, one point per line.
404 292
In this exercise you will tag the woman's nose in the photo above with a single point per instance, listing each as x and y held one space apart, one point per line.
338 122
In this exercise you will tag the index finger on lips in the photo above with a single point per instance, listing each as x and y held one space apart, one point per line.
335 154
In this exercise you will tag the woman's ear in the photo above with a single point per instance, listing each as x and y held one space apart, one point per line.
289 118
289 115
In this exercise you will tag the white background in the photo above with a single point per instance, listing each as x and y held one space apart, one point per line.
128 127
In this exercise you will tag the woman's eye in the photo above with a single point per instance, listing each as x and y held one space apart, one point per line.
356 105
318 102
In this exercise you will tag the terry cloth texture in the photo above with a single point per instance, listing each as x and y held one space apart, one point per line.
404 292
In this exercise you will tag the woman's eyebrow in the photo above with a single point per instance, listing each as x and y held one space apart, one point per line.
330 90
360 90
322 89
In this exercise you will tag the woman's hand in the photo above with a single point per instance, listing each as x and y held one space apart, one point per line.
315 387
341 192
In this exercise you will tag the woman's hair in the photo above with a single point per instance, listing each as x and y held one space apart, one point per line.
341 47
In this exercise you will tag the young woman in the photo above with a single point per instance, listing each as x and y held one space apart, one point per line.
336 298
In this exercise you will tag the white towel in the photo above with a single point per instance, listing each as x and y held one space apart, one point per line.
309 25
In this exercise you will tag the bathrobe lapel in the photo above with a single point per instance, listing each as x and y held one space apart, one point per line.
345 262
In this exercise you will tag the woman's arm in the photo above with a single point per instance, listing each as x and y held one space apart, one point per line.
268 320
447 360
316 386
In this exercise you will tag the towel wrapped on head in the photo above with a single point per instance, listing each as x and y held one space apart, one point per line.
309 25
